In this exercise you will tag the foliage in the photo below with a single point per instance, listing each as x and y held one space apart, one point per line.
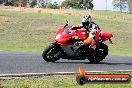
1 2
52 6
130 6
16 3
87 4
79 4
121 4
49 5
33 3
24 3
55 5
70 3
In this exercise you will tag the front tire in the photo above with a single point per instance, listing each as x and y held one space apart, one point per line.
52 53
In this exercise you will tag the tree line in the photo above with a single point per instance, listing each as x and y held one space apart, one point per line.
31 3
123 4
76 4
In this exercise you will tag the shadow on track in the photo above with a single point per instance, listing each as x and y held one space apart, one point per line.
106 63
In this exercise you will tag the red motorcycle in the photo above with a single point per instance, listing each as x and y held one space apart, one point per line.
66 46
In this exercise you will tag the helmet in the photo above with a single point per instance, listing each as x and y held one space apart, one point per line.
86 20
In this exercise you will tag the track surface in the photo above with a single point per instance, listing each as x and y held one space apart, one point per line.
17 63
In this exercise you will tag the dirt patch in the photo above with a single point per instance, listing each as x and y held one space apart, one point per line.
4 18
38 26
2 32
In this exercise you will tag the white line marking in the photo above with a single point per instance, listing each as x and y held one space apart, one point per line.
55 73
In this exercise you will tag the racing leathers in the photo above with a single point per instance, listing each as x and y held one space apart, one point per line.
93 31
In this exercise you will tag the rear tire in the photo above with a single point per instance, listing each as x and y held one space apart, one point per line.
100 53
52 53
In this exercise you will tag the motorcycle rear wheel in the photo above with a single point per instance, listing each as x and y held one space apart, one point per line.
101 53
52 53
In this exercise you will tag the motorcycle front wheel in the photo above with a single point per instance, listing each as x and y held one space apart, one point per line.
52 53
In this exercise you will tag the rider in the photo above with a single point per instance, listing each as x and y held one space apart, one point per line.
91 28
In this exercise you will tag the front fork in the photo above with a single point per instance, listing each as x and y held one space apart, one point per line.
58 47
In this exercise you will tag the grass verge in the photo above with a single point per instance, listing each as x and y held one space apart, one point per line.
54 82
24 31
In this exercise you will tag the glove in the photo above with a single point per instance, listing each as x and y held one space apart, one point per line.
75 27
79 43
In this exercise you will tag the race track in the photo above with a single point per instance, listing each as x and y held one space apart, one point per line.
17 63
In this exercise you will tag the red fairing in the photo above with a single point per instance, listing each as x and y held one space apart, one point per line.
65 34
105 35
82 34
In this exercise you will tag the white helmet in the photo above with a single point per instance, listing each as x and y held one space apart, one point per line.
87 18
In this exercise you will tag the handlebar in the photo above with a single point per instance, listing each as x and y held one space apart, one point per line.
110 41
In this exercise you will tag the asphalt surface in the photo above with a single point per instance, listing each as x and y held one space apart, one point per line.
17 63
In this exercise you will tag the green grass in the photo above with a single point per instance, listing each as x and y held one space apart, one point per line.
54 82
29 32
23 31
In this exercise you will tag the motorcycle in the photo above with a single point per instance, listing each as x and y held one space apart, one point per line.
66 46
